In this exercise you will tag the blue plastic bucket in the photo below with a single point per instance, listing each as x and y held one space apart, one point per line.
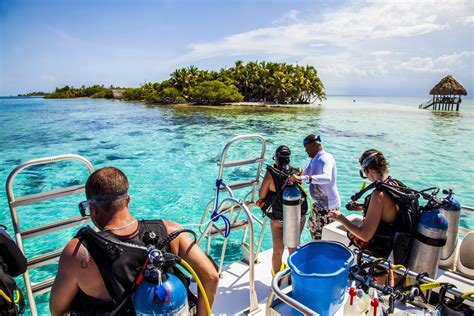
319 272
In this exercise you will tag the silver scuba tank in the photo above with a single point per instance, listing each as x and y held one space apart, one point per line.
429 239
291 216
452 211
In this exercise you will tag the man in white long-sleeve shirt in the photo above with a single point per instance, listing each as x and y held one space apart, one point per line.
321 175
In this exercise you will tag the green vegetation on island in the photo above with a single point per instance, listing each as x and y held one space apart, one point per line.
34 94
263 82
96 91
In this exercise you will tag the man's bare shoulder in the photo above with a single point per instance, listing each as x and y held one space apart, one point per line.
171 226
75 254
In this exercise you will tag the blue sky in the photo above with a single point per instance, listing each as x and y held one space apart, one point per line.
359 48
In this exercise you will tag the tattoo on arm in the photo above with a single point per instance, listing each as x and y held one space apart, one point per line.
84 256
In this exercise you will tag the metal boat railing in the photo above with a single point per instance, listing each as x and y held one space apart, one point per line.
253 308
34 289
284 297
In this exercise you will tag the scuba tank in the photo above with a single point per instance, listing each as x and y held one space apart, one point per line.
429 239
452 211
291 215
161 292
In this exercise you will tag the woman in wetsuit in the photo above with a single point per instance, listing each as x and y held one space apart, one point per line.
381 213
271 202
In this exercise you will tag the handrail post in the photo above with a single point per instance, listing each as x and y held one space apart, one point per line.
14 213
286 298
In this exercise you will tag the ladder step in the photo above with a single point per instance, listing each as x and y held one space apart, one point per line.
44 259
42 287
238 225
51 227
239 185
44 196
242 162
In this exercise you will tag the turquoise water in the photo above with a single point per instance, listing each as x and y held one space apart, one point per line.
170 154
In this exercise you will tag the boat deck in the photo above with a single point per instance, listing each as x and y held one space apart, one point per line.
233 292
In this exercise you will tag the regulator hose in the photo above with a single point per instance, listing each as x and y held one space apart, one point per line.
188 267
310 204
171 236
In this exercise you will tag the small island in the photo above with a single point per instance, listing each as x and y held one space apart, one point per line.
255 82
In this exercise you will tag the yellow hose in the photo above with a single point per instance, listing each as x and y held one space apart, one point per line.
310 206
399 266
186 265
465 295
429 286
9 300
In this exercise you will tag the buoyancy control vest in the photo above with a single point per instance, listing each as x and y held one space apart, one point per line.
119 262
273 202
12 264
397 236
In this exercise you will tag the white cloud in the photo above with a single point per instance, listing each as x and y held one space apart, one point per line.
290 16
384 53
468 20
343 28
425 64
362 40
444 63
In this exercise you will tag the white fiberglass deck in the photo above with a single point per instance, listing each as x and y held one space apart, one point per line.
233 292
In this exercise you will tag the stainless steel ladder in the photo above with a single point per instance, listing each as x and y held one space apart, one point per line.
234 211
34 289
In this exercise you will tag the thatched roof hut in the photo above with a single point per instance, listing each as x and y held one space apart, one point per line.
446 95
448 86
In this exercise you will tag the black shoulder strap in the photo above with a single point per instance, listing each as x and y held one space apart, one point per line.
105 250
357 195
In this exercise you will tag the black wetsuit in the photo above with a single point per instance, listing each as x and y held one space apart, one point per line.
275 199
119 266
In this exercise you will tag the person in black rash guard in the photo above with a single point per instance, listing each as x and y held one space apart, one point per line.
93 281
271 202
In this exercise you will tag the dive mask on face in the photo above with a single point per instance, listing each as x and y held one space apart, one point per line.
85 205
317 139
367 160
